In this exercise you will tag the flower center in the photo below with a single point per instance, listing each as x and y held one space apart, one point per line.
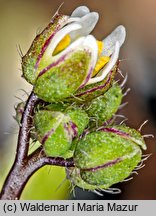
101 62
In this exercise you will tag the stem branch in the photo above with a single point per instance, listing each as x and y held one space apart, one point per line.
25 166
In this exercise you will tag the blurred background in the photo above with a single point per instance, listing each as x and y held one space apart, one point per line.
20 21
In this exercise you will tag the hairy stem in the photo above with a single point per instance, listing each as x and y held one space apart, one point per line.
25 166
24 132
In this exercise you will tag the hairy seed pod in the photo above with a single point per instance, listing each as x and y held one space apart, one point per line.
56 130
107 157
103 107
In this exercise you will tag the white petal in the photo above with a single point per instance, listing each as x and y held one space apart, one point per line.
90 45
80 11
109 66
119 34
88 23
73 19
60 35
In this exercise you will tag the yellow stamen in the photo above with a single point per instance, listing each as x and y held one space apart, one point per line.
100 64
62 44
102 59
100 47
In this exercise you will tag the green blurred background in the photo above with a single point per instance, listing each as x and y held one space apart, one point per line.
20 21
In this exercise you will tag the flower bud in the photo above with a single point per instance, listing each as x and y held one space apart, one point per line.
108 156
79 117
59 106
56 130
103 107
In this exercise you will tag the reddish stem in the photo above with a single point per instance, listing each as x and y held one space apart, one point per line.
25 166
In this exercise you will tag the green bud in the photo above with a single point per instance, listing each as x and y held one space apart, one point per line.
103 107
79 117
56 130
128 133
107 157
59 106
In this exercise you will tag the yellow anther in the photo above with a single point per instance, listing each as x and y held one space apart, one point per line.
102 60
62 44
100 64
100 47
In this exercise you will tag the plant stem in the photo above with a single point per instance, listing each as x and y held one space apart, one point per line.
25 166
25 126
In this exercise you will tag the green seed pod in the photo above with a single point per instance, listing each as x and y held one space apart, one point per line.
107 157
103 107
56 130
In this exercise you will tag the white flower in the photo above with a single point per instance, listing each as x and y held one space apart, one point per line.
66 44
79 26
